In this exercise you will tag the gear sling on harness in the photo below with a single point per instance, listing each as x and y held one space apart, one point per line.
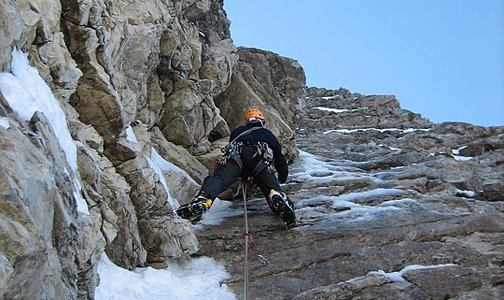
263 151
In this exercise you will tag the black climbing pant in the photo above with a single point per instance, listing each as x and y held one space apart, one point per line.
226 174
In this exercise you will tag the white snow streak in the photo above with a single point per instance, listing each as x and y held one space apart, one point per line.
4 122
159 164
130 135
168 166
458 157
398 276
26 92
409 130
334 110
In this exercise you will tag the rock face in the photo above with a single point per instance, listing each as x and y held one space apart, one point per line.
138 83
271 83
392 204
388 208
341 109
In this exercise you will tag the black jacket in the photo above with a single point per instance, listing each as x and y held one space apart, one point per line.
264 135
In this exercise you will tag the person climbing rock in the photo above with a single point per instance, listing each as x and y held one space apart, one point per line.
251 153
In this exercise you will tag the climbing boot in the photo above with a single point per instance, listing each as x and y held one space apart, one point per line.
282 205
194 210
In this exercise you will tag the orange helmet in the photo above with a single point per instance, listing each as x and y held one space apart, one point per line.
254 113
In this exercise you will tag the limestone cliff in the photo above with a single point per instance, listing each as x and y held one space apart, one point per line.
149 91
138 81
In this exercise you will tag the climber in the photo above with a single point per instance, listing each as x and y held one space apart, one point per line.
252 152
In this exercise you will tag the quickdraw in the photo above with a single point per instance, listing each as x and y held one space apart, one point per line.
263 260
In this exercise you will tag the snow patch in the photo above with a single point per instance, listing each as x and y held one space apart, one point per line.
462 158
368 194
463 193
333 110
458 157
389 147
159 164
4 122
81 203
350 211
130 135
311 166
398 276
457 151
399 202
167 166
197 279
308 168
358 212
26 92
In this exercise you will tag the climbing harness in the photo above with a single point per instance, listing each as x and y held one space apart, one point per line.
264 152
248 242
232 150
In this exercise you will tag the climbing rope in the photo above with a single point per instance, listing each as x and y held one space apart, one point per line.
249 241
246 235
